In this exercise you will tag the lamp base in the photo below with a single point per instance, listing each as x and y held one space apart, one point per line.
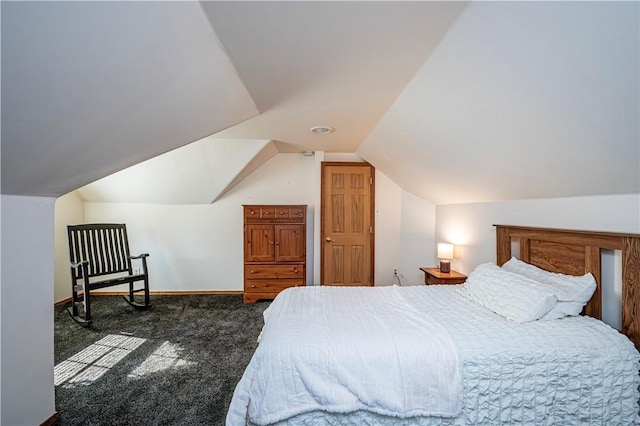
445 266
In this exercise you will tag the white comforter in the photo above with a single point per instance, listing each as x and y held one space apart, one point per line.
570 371
349 349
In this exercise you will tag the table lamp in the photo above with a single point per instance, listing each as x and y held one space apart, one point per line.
445 254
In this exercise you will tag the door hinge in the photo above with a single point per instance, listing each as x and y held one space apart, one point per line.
371 229
370 180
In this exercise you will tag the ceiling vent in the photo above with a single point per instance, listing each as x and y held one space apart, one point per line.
322 130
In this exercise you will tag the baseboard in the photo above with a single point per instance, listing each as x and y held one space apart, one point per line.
51 420
62 302
152 293
169 293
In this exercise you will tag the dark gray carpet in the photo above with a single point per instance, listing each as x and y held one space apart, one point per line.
211 339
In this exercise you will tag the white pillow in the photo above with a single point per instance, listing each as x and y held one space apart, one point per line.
510 295
563 309
567 288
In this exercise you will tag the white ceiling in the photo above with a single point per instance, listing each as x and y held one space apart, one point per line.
340 64
520 100
455 102
198 173
90 88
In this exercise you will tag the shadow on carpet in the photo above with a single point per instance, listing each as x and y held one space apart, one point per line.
175 364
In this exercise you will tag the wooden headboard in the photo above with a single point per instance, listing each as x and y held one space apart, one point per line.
576 253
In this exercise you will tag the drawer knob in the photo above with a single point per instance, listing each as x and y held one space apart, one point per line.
253 272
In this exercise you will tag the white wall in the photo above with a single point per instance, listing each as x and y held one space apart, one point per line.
27 392
404 233
417 238
470 228
199 247
69 210
388 252
315 236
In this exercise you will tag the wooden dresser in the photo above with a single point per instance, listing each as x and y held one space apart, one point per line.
275 248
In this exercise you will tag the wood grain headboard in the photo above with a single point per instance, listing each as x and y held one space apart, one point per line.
576 253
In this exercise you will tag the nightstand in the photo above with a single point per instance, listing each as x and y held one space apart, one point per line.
434 276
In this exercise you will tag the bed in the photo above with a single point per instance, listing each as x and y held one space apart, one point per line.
446 355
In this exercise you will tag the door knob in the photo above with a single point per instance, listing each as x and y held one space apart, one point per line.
329 239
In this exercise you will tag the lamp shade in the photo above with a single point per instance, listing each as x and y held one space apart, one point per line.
445 251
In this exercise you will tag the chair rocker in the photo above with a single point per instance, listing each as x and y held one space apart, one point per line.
99 255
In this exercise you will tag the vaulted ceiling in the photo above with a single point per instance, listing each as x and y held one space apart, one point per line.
340 64
89 88
455 101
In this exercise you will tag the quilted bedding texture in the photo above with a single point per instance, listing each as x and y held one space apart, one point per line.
317 347
572 371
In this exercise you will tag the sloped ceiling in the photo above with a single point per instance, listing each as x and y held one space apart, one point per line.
90 88
198 173
455 101
520 100
332 63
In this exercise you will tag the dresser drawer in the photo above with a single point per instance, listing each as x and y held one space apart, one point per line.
264 214
282 212
251 213
275 214
273 271
295 214
267 212
270 286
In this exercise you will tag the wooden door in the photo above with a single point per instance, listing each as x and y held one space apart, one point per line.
347 226
290 243
259 243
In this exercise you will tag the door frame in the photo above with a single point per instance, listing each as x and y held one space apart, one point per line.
372 206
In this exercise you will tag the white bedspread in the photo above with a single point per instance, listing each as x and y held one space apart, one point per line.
570 371
349 349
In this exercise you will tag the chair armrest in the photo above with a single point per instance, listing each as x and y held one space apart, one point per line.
140 256
78 264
